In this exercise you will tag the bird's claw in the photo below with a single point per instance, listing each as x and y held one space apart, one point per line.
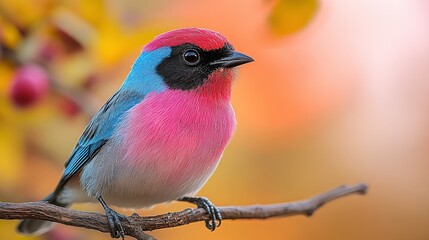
116 229
214 213
114 219
215 217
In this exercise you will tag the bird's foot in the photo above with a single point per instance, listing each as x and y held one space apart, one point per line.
214 213
114 218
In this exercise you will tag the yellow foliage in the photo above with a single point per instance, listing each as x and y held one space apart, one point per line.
290 16
11 155
111 47
90 11
25 13
9 34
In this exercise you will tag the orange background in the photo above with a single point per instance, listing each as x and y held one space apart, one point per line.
338 94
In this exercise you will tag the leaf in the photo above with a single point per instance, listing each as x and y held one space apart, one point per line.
25 14
9 34
290 16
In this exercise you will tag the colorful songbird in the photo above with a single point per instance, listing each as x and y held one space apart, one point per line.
161 135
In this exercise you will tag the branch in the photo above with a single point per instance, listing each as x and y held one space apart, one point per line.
135 225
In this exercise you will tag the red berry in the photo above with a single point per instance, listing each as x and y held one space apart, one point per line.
29 85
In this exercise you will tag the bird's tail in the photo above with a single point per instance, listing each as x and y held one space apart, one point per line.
37 227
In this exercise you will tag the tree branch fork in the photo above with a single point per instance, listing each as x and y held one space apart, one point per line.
135 225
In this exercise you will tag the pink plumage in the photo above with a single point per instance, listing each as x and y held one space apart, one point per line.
204 38
177 148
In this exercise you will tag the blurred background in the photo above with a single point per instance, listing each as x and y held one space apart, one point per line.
339 94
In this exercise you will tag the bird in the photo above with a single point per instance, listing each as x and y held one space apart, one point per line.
160 136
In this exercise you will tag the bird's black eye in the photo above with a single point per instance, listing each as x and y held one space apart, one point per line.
191 57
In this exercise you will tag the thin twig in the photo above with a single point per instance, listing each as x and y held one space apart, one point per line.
135 225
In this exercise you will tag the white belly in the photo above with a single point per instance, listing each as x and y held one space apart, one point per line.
125 185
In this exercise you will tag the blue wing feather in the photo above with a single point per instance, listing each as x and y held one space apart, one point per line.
99 131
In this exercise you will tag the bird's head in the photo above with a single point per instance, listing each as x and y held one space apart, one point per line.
194 59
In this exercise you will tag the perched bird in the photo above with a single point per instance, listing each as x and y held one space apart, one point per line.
162 133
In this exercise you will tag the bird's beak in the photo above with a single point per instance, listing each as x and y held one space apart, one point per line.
233 60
